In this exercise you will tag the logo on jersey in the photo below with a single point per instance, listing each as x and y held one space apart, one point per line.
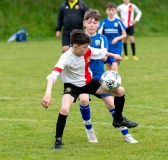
97 42
87 60
77 7
111 30
115 24
67 90
66 7
71 66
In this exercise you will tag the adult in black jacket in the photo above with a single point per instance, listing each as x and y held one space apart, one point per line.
70 16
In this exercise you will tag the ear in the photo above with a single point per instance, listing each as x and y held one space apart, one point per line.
75 46
84 23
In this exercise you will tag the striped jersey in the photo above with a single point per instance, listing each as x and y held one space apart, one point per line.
75 69
127 13
112 29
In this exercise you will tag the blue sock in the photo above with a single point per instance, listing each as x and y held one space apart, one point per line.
85 112
124 130
112 111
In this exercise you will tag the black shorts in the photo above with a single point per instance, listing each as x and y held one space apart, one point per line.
66 39
130 31
75 91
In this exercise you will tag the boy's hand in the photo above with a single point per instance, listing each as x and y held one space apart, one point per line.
115 40
133 22
45 102
117 57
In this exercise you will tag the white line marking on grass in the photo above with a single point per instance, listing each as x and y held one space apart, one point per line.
70 122
149 107
101 102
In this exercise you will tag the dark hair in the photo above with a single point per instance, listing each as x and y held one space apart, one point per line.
79 37
111 5
92 14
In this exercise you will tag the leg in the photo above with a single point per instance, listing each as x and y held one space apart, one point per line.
112 64
133 48
115 66
65 48
67 100
119 120
85 112
109 102
119 101
125 48
132 42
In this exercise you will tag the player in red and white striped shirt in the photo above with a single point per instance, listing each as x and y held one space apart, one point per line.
73 69
126 11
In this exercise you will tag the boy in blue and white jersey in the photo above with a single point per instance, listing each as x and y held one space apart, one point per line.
115 31
91 23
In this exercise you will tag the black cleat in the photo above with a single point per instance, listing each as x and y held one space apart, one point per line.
58 145
125 123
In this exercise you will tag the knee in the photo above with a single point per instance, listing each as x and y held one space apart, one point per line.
121 91
84 102
110 105
65 48
64 110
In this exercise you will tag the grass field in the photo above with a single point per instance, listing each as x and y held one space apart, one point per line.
27 130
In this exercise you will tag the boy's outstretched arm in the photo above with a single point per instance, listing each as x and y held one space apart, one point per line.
47 97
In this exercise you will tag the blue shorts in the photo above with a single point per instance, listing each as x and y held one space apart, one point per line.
105 95
111 60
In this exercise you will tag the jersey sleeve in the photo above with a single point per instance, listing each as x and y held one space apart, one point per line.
138 12
104 42
101 27
97 53
117 15
59 22
62 62
122 26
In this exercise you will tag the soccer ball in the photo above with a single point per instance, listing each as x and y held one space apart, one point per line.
110 80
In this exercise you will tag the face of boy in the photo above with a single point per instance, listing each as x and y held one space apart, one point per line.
111 12
91 25
126 1
80 50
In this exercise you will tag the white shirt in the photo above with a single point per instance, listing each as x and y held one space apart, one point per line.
127 13
74 69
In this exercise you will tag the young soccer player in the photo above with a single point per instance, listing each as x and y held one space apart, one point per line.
114 30
126 11
73 68
91 23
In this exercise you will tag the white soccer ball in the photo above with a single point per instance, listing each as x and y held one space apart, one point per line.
110 80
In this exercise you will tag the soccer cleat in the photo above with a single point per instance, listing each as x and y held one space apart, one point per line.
126 57
58 144
135 58
128 138
125 123
91 135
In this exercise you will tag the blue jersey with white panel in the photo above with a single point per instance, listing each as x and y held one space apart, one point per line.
97 66
112 29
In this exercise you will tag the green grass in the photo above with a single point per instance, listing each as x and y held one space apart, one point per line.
27 130
39 17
